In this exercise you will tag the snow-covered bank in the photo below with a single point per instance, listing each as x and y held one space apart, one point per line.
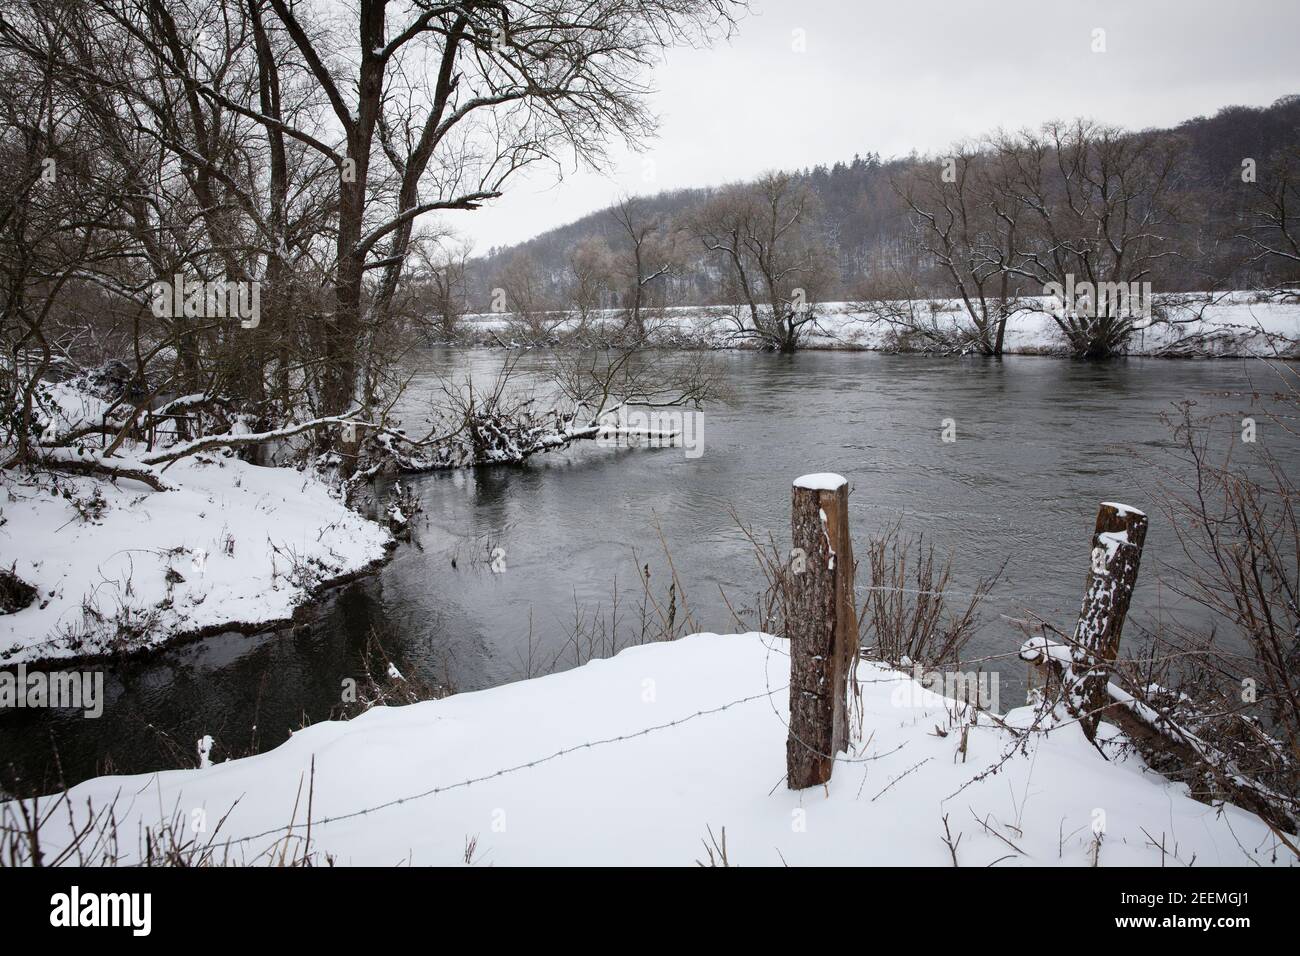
1233 327
119 567
633 760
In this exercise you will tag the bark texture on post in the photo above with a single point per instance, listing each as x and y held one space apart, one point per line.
822 628
1116 553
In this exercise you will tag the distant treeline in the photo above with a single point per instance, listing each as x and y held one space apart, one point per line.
865 221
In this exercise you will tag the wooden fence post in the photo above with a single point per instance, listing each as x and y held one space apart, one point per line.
1116 553
822 628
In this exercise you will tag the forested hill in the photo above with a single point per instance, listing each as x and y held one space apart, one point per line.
865 228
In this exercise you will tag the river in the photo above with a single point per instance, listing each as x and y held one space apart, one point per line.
1038 443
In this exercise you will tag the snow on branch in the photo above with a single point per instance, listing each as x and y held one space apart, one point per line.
228 440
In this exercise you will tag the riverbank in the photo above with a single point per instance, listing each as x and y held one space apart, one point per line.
646 758
1234 326
119 568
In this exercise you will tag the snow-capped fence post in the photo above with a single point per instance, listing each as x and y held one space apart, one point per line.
821 626
1116 553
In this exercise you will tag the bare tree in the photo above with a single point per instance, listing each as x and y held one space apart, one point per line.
61 221
1273 232
443 277
591 275
300 150
774 263
967 226
499 86
1094 205
1082 213
526 300
645 256
409 108
195 199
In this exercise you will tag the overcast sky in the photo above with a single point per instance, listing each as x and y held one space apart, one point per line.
891 77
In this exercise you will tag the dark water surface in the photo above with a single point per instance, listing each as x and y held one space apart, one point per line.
1040 441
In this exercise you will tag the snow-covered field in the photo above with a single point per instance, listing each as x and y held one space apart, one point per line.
1233 327
122 567
634 760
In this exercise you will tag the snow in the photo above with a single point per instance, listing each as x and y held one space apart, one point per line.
120 567
821 481
1122 510
1235 326
1112 541
232 546
633 760
67 408
204 747
1042 648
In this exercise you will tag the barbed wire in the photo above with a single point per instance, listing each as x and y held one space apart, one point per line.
835 757
770 643
288 828
287 831
919 591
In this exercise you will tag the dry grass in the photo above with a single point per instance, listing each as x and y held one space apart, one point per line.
908 612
